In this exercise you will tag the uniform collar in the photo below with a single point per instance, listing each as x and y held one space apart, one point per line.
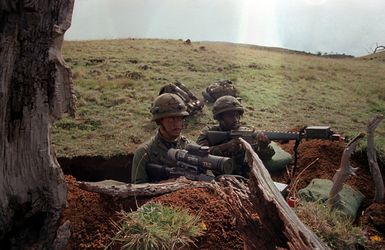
167 143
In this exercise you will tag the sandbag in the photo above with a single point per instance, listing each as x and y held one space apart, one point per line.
318 191
279 160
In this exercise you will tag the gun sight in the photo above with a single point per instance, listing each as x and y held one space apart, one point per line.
202 159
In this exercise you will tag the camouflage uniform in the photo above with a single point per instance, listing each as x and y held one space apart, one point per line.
152 151
222 105
155 150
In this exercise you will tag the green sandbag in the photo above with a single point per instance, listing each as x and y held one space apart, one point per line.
318 190
279 160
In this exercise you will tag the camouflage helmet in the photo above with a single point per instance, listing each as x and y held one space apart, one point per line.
226 103
167 105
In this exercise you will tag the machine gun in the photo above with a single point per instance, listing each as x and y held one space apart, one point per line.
308 132
192 162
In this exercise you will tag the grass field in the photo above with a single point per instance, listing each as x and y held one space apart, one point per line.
115 82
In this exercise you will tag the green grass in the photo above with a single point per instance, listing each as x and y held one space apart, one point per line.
280 90
333 228
154 226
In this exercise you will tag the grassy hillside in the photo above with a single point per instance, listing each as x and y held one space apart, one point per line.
378 57
116 81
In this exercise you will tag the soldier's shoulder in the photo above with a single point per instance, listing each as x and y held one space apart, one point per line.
145 146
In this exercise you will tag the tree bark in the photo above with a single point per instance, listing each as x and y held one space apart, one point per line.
372 158
123 190
35 89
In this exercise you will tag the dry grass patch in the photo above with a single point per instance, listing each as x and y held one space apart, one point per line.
332 227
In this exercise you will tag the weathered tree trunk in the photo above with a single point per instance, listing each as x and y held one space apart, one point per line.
277 217
344 172
35 89
372 158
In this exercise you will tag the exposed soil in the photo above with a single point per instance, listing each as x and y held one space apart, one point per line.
329 157
90 214
221 229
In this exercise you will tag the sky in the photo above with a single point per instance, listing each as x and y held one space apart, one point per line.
352 27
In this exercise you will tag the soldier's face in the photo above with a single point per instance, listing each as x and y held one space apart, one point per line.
230 120
171 127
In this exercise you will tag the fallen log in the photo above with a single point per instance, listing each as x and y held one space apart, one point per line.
117 189
276 216
372 159
344 171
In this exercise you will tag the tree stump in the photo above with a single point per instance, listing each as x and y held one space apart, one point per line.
372 159
35 89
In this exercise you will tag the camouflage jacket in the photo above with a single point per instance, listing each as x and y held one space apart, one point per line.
240 167
152 151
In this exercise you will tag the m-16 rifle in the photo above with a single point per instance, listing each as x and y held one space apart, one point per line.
308 132
192 162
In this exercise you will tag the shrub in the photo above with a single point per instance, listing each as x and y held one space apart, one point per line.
154 226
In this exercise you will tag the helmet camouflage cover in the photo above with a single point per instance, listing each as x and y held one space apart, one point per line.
226 103
168 105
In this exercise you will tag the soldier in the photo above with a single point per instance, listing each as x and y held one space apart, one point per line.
168 111
227 110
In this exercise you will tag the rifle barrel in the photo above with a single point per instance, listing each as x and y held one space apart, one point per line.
278 136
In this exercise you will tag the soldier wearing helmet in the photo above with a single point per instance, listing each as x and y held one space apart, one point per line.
227 110
168 111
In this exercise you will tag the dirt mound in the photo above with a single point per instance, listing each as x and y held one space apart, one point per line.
329 155
90 213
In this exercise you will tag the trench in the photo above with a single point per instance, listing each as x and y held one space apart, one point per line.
98 168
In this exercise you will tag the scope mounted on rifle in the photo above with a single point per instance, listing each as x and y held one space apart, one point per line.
199 156
192 162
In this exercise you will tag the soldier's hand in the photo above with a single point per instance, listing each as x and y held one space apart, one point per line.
232 147
227 149
262 140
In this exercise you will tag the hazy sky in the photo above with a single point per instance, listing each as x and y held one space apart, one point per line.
344 26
